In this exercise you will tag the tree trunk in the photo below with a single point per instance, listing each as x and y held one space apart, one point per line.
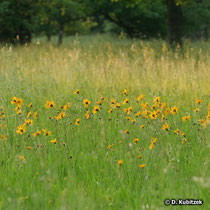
48 37
206 34
60 35
175 18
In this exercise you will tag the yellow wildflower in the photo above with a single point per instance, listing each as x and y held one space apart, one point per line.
198 101
166 127
77 122
87 115
141 126
154 140
21 157
30 105
177 131
76 92
151 146
184 141
60 116
120 162
110 146
162 105
50 104
117 105
142 165
133 121
174 110
167 111
113 102
67 106
203 122
29 122
157 100
196 110
183 134
46 133
135 140
153 115
140 97
128 118
144 105
186 118
99 102
86 102
21 129
126 101
96 109
29 114
125 92
14 100
35 115
145 114
37 133
19 102
138 114
19 112
54 141
126 131
153 106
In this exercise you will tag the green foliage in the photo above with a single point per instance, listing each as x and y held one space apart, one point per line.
136 18
56 15
16 19
196 17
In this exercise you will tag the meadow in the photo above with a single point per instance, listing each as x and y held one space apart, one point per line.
104 123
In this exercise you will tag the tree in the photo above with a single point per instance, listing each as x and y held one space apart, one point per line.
45 18
55 15
175 20
16 20
196 19
157 18
137 18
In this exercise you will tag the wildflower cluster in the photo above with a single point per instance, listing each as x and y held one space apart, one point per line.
138 120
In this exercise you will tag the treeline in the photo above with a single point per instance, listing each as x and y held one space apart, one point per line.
167 19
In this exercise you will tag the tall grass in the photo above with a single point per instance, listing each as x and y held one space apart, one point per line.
84 174
108 66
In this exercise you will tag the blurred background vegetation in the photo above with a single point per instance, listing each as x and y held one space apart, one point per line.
172 20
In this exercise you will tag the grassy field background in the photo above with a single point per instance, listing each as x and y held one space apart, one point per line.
80 171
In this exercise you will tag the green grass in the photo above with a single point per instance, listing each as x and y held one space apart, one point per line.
84 174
